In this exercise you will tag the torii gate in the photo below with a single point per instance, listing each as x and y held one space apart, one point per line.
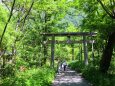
69 34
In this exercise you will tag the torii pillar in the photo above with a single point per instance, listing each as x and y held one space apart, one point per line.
85 50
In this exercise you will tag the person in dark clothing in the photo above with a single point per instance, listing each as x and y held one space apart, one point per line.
64 65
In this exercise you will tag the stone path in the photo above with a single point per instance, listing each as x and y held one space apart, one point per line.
70 78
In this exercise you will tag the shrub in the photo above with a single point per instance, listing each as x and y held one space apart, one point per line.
32 77
76 65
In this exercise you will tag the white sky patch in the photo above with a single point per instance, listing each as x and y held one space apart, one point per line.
69 0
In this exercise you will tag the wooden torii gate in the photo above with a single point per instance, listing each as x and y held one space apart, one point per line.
69 34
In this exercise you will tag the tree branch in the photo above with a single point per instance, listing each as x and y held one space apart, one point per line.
24 19
106 10
7 22
6 5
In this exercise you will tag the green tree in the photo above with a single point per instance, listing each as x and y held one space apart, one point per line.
96 19
107 54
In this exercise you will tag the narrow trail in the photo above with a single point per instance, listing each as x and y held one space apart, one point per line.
70 78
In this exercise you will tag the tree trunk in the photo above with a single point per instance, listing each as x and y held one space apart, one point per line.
45 54
52 51
11 13
81 54
107 54
72 51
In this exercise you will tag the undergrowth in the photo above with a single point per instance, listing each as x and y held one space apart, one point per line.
31 77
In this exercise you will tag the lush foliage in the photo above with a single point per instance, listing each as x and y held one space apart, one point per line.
22 45
31 77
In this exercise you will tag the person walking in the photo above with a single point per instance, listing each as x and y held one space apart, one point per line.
64 65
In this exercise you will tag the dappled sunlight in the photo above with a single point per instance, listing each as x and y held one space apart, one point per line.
69 78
